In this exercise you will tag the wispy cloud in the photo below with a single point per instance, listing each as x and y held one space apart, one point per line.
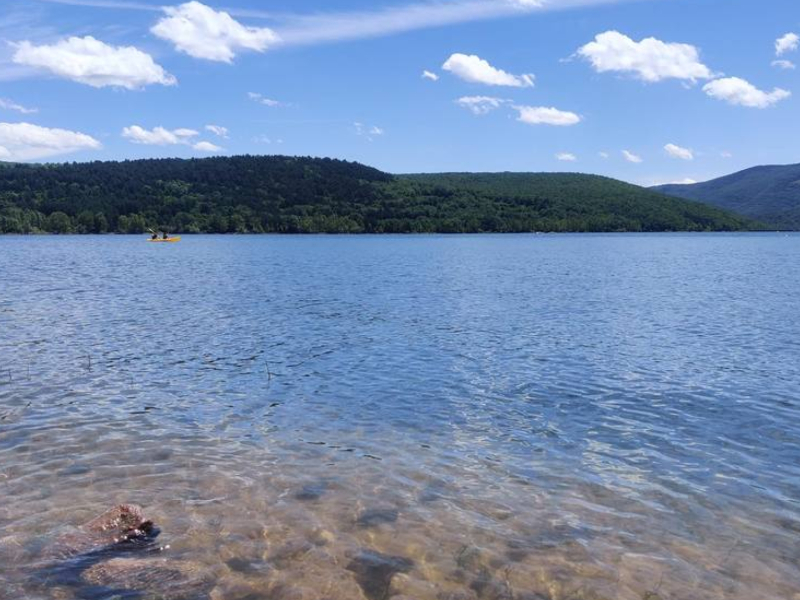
11 105
115 4
370 132
321 27
480 105
261 99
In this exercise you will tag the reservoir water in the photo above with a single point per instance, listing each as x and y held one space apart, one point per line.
560 417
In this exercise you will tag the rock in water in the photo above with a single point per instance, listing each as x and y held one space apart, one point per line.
374 572
123 523
150 578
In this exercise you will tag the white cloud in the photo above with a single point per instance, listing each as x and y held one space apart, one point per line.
256 97
656 182
369 132
786 43
11 105
202 32
650 60
95 63
740 92
218 130
541 115
566 157
430 75
604 155
786 65
678 152
263 139
474 69
206 147
24 141
726 154
631 157
320 27
480 105
158 136
185 133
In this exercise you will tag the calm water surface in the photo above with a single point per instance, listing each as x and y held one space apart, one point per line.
438 418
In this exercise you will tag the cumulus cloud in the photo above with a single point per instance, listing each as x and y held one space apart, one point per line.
430 75
786 43
650 59
218 130
678 152
631 157
735 90
11 105
566 157
160 136
206 147
95 63
480 105
474 69
786 65
256 97
202 32
541 115
24 141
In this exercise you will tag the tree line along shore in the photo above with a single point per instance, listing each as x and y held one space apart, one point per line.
282 194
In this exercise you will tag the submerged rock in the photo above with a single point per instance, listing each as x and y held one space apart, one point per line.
374 572
311 492
150 578
377 516
121 524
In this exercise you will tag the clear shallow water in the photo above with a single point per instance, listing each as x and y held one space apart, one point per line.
508 417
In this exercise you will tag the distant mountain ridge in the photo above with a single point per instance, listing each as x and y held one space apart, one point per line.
770 194
286 194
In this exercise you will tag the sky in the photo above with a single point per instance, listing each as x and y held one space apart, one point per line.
647 91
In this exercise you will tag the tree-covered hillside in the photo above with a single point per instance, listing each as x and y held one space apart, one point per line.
257 194
770 194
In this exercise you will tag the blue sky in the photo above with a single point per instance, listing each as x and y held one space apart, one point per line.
647 91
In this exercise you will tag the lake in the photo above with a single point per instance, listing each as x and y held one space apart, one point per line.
529 417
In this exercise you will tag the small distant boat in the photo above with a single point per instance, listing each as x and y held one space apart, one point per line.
163 238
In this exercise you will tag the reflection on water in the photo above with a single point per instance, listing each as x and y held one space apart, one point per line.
448 418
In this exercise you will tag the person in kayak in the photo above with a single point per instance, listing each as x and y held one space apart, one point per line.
154 236
165 236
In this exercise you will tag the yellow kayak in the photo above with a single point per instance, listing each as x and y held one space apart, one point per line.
169 239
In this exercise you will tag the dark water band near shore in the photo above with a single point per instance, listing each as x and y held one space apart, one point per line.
437 418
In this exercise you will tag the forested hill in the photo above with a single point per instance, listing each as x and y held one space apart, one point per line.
770 194
243 194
